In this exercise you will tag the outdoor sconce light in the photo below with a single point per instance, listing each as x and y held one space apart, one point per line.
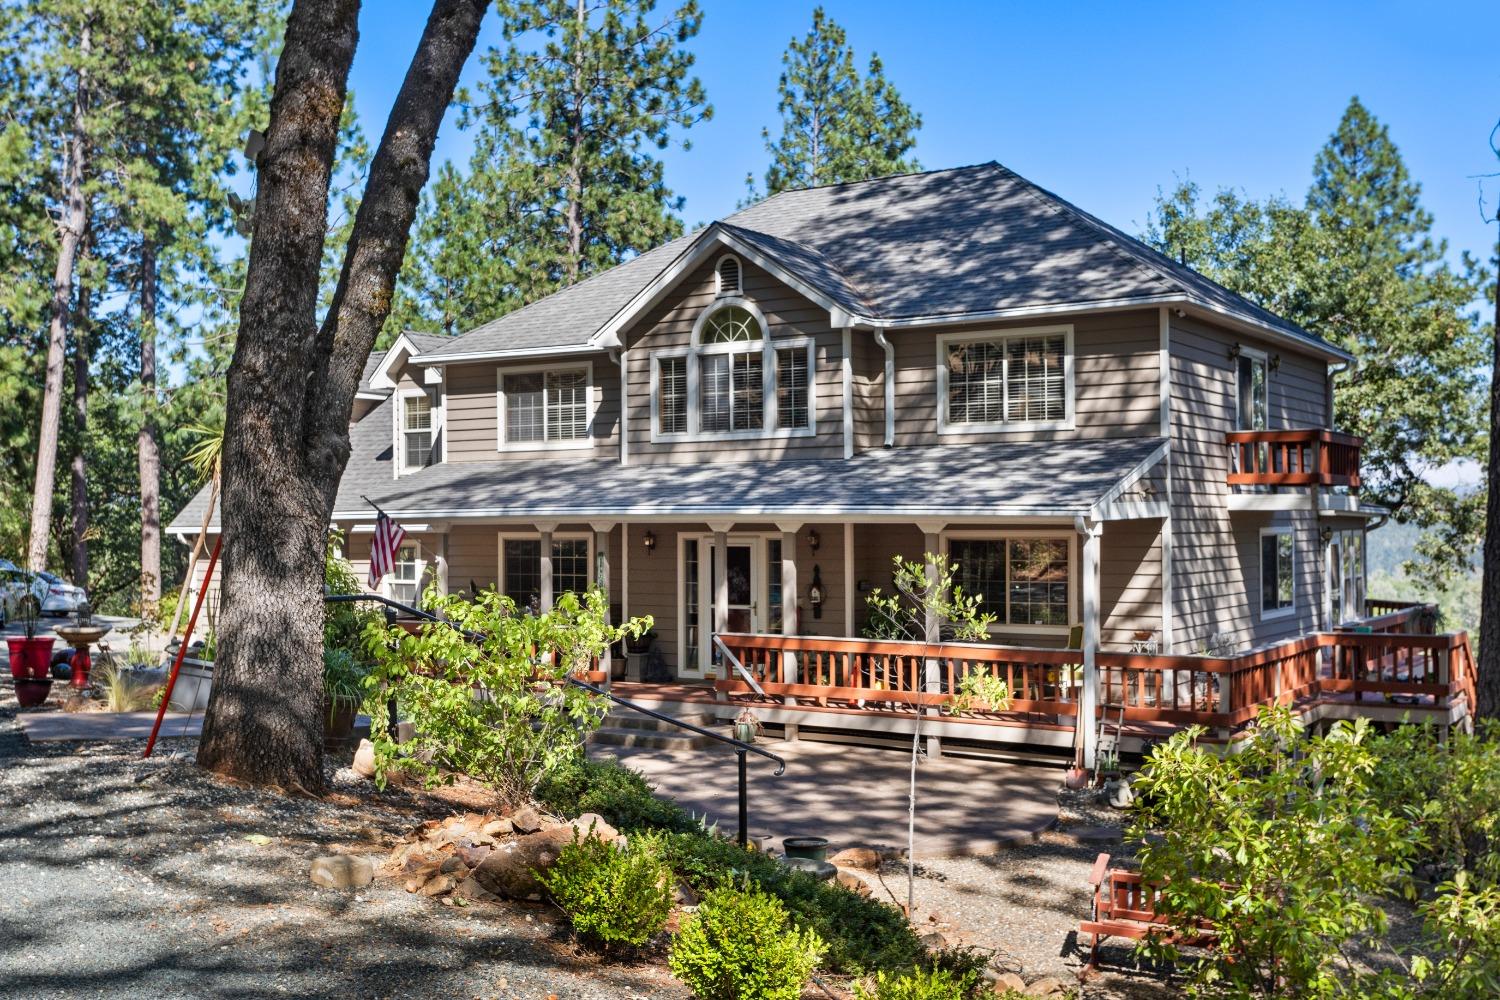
815 593
813 539
1234 352
1325 534
649 540
1275 364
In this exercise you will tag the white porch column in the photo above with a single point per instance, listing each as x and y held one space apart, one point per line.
440 563
850 584
788 568
931 627
1088 708
546 529
602 530
721 575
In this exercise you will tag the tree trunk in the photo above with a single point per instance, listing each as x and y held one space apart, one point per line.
575 159
148 455
291 385
1489 600
80 431
74 218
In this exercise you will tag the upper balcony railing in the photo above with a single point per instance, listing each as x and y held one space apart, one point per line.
1308 456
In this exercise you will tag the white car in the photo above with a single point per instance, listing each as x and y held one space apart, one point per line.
18 589
62 597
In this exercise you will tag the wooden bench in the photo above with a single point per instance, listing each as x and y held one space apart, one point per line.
1124 905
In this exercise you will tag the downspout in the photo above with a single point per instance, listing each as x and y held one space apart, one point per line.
617 357
890 386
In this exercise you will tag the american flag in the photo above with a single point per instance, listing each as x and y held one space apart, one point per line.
383 549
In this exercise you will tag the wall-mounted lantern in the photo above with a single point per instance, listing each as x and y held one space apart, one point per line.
649 540
815 593
814 540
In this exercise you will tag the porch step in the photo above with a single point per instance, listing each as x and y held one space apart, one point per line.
632 729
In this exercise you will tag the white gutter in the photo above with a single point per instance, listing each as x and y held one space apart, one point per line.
534 352
890 386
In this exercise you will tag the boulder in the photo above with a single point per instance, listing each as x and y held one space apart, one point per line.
472 856
853 883
438 885
594 822
510 871
470 888
451 865
1048 986
527 820
498 828
1009 982
865 858
934 941
342 871
364 759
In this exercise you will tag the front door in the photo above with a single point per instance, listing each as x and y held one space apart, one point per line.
746 585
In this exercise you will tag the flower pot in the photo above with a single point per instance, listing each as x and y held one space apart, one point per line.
30 657
1078 777
338 729
814 848
32 691
194 680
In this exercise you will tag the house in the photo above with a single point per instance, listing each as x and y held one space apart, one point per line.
737 432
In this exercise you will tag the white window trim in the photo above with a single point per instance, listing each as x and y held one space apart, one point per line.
1257 355
1005 534
536 536
1260 557
577 444
769 346
945 341
389 581
719 291
436 411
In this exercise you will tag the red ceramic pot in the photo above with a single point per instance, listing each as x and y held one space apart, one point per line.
30 657
31 691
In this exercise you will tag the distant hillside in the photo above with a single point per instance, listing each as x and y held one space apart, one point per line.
1391 545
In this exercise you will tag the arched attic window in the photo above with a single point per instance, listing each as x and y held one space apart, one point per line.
729 275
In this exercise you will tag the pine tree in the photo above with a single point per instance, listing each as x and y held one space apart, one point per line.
562 183
836 126
1357 264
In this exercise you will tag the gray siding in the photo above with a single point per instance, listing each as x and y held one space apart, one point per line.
472 413
1216 555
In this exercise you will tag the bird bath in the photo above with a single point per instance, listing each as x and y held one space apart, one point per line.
81 635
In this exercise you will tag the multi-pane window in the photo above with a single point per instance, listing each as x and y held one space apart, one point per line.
791 387
672 395
546 406
1346 576
523 569
406 574
416 430
1021 581
691 615
721 386
1000 380
1277 572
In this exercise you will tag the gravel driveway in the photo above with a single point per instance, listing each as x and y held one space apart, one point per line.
123 878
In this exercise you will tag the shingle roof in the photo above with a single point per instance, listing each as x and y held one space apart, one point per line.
422 342
946 243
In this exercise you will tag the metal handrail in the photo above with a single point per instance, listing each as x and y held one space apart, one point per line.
741 748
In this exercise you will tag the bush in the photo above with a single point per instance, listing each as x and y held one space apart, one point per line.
496 709
919 984
612 790
861 935
740 945
612 897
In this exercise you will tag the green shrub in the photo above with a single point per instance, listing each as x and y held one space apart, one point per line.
612 897
612 790
861 935
740 945
918 984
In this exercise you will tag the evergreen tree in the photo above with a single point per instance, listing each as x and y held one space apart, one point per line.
563 182
1358 264
836 126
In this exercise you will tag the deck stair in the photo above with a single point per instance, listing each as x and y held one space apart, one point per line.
624 728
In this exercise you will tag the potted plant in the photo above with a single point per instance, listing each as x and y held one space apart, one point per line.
343 694
980 691
640 645
31 654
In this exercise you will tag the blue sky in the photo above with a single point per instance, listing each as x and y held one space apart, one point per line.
1102 103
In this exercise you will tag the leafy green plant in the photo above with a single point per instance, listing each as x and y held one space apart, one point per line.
344 623
614 791
488 698
613 898
981 691
918 984
741 945
343 679
1282 848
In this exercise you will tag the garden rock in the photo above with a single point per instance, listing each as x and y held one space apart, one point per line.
438 885
470 888
934 941
342 871
511 871
853 883
1049 986
527 820
1009 982
865 858
364 760
498 828
472 856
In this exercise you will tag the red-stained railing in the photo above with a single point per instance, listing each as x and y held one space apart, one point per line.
1303 457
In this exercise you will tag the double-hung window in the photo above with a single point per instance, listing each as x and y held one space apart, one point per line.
733 381
543 408
521 569
405 580
1006 381
1278 572
1022 581
416 430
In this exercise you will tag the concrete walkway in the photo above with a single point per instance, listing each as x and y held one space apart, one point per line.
104 727
858 795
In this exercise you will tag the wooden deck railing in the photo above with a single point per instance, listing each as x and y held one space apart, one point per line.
1384 615
1304 457
1423 672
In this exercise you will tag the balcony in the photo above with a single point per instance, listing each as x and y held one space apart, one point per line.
1308 456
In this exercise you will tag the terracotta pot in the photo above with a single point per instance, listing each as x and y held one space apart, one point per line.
1078 777
32 691
30 657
